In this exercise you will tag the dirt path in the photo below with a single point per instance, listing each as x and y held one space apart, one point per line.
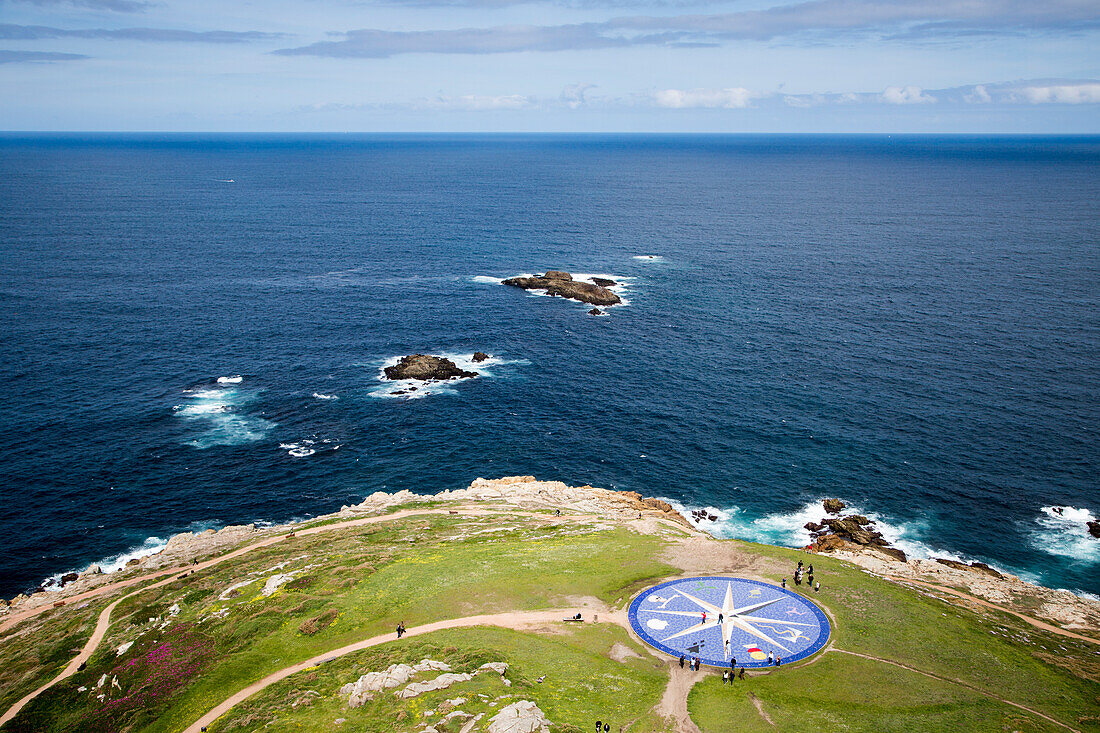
511 620
104 621
674 703
988 604
958 682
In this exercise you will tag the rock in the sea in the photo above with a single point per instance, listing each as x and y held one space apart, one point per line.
595 312
556 282
425 367
522 716
833 506
1094 529
69 577
814 526
603 282
480 356
93 570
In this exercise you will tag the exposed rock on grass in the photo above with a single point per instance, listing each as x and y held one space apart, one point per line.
522 716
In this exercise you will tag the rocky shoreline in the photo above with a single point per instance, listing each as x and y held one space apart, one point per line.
850 538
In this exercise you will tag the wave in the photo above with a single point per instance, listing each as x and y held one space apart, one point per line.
412 389
787 529
114 563
1063 530
308 447
235 379
648 258
322 396
216 409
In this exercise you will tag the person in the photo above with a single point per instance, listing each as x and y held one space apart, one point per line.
697 664
733 662
606 727
784 582
741 674
599 726
817 586
811 569
778 661
704 616
725 677
799 564
769 656
400 629
719 617
681 661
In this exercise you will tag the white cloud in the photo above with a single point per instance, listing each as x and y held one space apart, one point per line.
906 95
1085 93
732 98
573 95
978 95
481 102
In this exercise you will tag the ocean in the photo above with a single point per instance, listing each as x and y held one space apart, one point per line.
195 327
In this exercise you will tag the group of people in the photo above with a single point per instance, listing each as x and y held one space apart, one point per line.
400 629
808 572
733 674
693 663
602 727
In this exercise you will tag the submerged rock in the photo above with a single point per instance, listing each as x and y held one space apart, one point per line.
556 282
603 282
425 367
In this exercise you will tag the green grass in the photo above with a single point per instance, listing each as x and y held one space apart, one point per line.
840 692
580 684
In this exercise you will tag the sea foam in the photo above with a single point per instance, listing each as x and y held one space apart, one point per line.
788 529
1063 530
413 389
217 411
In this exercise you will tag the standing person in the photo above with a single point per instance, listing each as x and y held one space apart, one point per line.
741 674
606 727
784 582
769 656
681 661
725 677
817 586
599 726
704 616
697 664
811 569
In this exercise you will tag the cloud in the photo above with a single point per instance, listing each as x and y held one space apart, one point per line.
816 21
22 57
372 43
733 98
1082 93
118 6
906 95
36 32
573 97
479 102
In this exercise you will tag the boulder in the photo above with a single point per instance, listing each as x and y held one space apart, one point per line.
860 519
814 526
425 367
93 570
522 716
831 542
603 282
362 689
1094 529
562 284
69 577
892 552
850 529
833 506
595 312
480 356
498 667
441 682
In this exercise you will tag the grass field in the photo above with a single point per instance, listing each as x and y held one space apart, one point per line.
178 650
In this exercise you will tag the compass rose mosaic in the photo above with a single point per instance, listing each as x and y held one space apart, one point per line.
718 619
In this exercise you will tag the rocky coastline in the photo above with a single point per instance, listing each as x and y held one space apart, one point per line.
850 538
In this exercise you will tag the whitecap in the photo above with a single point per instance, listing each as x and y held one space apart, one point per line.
216 409
1063 530
649 258
788 529
322 396
487 280
235 379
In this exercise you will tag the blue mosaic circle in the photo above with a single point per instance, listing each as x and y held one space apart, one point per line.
720 619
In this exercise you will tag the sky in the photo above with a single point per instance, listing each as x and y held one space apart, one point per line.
861 66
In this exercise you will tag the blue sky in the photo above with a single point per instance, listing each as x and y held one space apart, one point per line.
551 65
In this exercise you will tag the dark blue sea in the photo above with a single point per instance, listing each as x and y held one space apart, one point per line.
909 323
